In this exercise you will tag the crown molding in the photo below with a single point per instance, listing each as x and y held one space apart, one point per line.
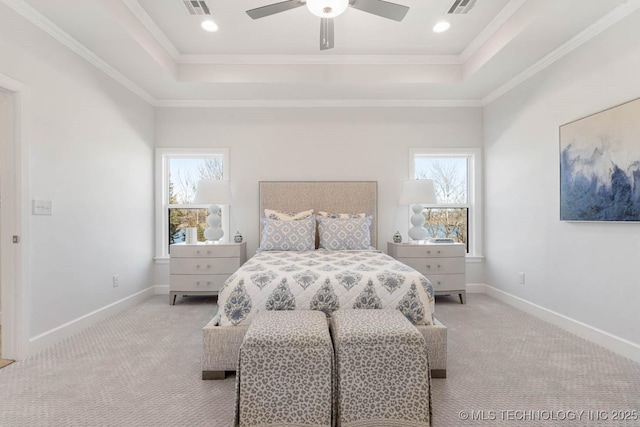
490 29
611 18
322 60
321 103
155 31
40 21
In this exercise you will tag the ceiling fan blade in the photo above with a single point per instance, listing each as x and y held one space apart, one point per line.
272 9
326 33
381 8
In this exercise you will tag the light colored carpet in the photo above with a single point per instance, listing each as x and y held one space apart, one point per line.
3 362
142 368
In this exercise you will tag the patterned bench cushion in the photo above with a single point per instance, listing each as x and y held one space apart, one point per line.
285 371
382 359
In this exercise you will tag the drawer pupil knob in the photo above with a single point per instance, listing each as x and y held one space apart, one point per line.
428 252
198 283
198 266
439 266
198 252
439 282
428 266
208 266
438 251
208 283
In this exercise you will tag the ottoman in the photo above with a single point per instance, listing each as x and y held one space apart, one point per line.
285 371
382 370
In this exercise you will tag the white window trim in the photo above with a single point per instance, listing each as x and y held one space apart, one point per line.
161 202
474 202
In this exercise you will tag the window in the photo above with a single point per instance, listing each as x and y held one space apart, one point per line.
177 174
457 179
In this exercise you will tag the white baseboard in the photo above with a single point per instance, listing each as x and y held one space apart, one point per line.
609 341
47 339
161 290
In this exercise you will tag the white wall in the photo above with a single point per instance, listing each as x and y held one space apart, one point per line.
587 271
91 154
319 144
6 136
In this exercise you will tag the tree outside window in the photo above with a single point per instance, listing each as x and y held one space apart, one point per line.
178 171
451 180
184 174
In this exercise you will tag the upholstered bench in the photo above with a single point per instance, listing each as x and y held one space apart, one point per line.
221 346
285 371
382 370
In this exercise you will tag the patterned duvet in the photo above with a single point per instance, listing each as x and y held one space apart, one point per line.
325 281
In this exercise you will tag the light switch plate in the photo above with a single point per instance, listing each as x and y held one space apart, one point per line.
42 207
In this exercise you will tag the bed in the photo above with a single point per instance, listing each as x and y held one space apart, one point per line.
313 277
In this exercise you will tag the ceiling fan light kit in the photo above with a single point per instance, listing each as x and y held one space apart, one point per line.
329 9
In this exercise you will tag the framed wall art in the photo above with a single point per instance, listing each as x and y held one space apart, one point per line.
600 166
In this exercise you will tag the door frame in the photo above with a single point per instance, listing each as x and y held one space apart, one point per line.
14 220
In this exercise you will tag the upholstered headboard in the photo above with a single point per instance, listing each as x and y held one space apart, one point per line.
328 196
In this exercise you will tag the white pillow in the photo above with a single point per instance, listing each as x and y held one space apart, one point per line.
287 216
342 215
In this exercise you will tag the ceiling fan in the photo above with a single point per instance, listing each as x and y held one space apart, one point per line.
329 9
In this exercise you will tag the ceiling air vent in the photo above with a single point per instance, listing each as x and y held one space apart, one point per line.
197 7
461 7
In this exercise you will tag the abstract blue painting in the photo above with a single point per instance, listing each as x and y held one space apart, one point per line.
600 166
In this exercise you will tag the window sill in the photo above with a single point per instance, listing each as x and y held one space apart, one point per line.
161 260
475 259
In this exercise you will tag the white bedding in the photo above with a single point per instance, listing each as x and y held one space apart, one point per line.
324 280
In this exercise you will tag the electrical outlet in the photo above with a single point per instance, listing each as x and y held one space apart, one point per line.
116 281
521 278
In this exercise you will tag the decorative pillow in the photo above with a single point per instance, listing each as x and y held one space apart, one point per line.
287 216
338 234
342 215
288 235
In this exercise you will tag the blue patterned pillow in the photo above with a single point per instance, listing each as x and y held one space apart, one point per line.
297 235
339 234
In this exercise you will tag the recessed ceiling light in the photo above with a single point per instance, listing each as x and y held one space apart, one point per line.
209 26
441 27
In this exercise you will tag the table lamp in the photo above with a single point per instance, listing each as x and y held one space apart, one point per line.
418 192
215 192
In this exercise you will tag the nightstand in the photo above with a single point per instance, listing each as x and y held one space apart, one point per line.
201 269
444 264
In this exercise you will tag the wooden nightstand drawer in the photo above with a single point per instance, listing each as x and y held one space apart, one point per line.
436 265
204 265
447 282
206 251
198 282
428 251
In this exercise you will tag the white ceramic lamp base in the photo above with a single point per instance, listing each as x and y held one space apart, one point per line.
417 232
214 232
